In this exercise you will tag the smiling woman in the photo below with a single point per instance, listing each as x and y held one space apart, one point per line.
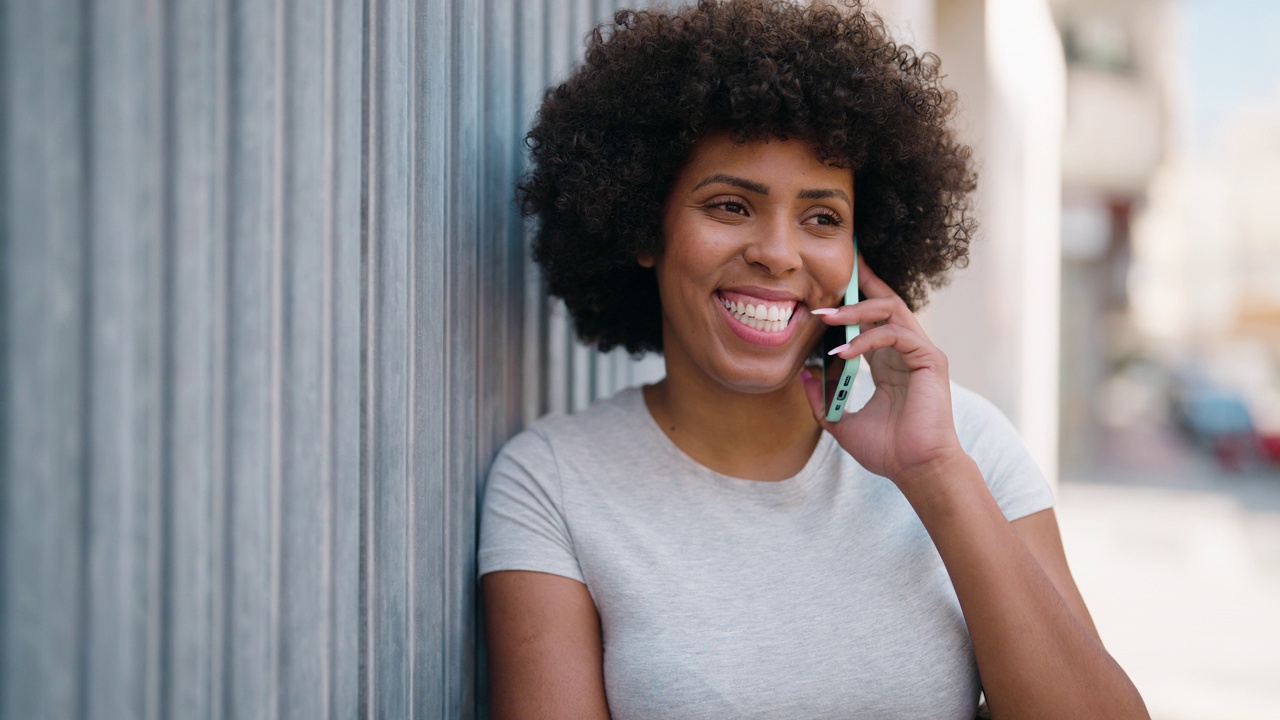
710 546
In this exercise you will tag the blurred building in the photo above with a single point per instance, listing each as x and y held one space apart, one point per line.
1191 280
1206 286
1121 95
1212 224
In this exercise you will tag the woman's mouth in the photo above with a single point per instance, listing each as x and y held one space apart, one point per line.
760 315
760 321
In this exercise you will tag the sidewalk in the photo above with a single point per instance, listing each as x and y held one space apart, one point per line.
1180 565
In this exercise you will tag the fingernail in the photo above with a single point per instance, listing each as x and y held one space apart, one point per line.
805 375
823 311
837 351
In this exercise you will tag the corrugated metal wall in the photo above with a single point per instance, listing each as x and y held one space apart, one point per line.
265 317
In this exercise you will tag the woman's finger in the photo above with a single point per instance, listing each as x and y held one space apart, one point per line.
813 392
873 310
916 350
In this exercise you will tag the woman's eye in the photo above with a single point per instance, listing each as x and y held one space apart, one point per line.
730 206
830 219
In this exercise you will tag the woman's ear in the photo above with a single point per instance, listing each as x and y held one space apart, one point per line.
645 260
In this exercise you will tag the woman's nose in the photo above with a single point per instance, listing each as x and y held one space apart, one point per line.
775 249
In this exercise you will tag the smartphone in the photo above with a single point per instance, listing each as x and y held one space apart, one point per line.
838 373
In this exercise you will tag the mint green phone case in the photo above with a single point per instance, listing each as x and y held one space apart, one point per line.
837 403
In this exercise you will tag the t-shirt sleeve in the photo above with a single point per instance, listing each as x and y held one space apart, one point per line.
1015 480
522 525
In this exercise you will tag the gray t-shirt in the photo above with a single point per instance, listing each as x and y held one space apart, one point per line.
818 596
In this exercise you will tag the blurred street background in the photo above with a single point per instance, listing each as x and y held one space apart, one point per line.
1170 410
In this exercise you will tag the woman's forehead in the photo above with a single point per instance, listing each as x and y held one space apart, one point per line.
765 161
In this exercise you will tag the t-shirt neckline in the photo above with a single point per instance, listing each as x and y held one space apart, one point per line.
822 452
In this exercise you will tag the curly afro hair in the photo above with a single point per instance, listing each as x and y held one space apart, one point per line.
609 142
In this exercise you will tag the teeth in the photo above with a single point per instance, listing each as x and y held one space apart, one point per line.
761 317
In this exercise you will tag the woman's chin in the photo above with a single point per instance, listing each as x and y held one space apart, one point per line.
761 381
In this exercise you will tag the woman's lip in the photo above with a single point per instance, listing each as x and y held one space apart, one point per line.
764 294
758 337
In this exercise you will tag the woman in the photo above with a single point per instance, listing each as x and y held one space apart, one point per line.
710 546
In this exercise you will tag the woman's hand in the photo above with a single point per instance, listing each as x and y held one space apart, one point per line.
1037 649
905 432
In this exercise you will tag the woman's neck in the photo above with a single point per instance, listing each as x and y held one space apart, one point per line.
764 436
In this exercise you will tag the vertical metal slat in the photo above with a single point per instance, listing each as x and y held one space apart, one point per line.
44 443
343 113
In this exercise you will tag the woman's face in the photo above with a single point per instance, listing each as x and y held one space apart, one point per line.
754 236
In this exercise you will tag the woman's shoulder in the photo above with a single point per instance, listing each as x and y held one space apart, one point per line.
973 409
560 453
973 414
992 440
530 508
980 421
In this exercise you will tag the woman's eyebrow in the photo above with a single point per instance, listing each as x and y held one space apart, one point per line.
745 184
761 189
824 193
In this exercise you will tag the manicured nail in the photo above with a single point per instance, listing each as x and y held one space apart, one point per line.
823 311
837 351
805 375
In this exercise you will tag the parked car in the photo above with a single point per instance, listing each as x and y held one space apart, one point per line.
1219 420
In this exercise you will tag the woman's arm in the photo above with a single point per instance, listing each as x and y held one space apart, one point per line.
545 652
1039 532
1037 650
